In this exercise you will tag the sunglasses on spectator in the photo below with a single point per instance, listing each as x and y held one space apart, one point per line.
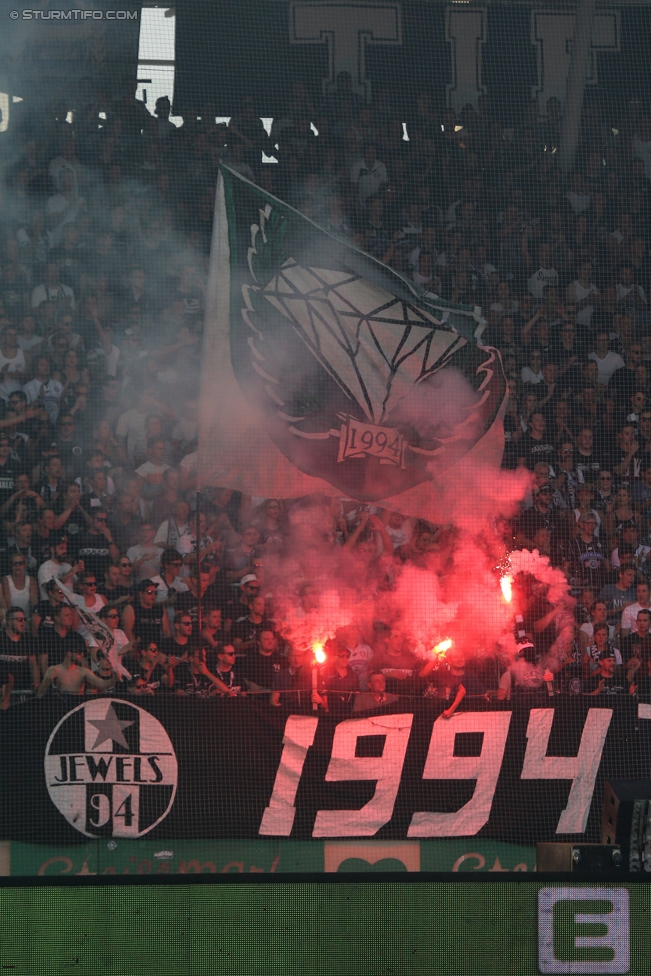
90 583
113 615
150 592
228 653
101 519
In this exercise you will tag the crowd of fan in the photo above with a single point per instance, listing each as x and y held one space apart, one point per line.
105 227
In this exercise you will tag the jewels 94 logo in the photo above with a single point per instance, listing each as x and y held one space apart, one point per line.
111 769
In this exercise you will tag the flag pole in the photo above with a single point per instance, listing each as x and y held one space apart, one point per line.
198 538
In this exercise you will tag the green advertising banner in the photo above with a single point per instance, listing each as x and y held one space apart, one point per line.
124 857
315 928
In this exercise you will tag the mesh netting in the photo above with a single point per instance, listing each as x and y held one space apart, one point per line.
325 439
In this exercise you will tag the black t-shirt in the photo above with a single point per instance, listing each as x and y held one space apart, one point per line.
117 593
148 625
45 611
533 519
233 678
261 669
74 527
222 595
186 680
16 654
188 603
608 686
341 690
8 474
56 647
95 552
152 680
245 630
169 647
534 451
588 465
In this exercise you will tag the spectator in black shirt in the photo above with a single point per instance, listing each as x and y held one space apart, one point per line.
18 652
192 677
178 646
149 675
606 679
246 631
338 683
8 470
228 672
534 446
188 602
636 649
292 684
543 515
263 663
95 545
54 642
145 619
116 594
45 610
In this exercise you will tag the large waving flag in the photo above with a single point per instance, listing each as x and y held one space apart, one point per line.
98 631
325 371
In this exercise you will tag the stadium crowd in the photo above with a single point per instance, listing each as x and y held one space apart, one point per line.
105 228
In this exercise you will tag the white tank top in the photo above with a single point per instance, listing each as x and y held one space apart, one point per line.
19 598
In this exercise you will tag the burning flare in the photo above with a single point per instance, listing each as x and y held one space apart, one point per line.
319 653
444 646
507 589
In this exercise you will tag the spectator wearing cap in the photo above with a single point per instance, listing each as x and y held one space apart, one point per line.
249 589
57 567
